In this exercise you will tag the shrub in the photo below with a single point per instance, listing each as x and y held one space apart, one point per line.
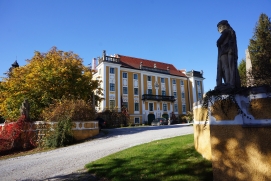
61 135
64 111
74 110
115 119
17 135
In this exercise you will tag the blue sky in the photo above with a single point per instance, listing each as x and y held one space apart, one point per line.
180 32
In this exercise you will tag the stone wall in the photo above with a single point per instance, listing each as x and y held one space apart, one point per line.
81 130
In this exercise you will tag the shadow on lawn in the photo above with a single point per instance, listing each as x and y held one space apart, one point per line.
190 166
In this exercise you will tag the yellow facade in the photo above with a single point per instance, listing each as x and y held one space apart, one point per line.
147 91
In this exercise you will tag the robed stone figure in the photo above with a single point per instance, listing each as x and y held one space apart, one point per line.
227 58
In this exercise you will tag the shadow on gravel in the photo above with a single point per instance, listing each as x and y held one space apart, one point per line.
82 175
107 133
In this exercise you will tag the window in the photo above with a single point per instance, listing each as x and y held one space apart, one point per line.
111 104
162 80
112 87
199 95
135 76
136 120
149 78
182 82
149 91
175 94
136 106
125 90
175 107
125 104
124 75
150 106
135 91
174 81
163 93
112 70
184 108
183 95
198 82
164 107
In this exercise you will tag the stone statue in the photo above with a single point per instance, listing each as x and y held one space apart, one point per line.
227 58
25 109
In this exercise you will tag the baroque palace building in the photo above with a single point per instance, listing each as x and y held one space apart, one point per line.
148 89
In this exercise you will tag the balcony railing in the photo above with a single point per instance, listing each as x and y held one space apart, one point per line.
158 97
109 59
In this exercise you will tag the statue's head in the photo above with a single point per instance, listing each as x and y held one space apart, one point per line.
222 25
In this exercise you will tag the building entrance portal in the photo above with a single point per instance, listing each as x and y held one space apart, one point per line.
151 117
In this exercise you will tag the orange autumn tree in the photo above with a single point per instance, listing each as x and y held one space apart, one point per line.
46 77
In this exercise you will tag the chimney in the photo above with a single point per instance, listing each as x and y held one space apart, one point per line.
94 64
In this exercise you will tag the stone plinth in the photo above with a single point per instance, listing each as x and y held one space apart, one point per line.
240 146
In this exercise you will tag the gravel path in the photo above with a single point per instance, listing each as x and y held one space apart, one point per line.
64 161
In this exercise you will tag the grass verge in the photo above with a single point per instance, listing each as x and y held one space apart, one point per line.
168 159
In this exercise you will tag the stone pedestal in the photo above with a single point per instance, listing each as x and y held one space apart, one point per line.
238 143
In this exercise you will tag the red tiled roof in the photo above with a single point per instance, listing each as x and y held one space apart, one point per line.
135 63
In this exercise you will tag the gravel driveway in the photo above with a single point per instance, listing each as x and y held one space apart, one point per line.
64 161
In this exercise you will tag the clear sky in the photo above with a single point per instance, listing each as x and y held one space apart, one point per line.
180 32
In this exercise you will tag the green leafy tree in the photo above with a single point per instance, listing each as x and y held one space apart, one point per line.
46 77
260 52
243 72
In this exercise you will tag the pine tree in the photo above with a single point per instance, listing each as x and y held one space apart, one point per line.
260 52
242 72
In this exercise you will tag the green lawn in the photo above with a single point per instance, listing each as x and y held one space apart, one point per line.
168 159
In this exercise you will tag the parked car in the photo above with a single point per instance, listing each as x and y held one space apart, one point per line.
159 121
102 123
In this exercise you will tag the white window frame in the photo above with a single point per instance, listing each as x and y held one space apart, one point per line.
182 82
151 103
136 103
175 94
148 77
164 93
126 75
184 108
126 90
199 95
135 120
135 76
112 104
135 93
164 106
112 87
112 70
125 104
175 107
174 81
162 80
